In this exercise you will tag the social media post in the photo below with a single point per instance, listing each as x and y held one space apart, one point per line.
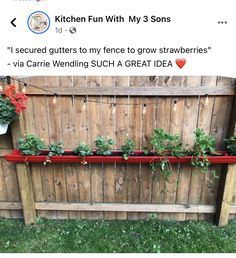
117 126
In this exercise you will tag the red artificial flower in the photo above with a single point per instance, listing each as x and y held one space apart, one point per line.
17 99
9 90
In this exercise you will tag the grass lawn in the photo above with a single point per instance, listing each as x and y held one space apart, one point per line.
116 236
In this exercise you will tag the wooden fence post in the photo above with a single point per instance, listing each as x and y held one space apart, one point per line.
222 214
228 182
24 176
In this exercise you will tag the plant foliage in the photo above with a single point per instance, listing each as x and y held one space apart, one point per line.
128 148
231 145
7 111
204 145
56 149
166 144
83 150
104 145
30 145
12 104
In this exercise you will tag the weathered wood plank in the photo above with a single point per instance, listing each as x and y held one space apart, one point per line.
190 117
121 132
147 127
225 206
11 185
125 207
24 176
3 192
11 206
175 127
96 90
108 128
134 171
95 125
205 109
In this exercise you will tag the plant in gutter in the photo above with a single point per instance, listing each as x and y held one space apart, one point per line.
231 145
128 148
30 145
104 145
83 150
165 144
55 149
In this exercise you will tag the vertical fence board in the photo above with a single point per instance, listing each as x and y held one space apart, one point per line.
148 125
68 125
82 136
94 118
3 192
122 112
190 116
108 129
133 171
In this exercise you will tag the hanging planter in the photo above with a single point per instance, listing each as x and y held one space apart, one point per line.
115 157
11 105
3 128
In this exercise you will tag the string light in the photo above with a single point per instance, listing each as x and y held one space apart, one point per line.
144 109
24 88
9 78
175 105
114 109
206 100
1 88
84 105
54 101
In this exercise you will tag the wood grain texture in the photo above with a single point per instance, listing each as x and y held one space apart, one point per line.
108 117
136 90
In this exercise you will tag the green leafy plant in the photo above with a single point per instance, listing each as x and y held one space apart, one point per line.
56 149
11 105
204 145
128 148
165 144
83 150
30 145
7 111
231 145
104 145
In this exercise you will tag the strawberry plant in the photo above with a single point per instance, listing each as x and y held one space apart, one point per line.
30 145
55 149
231 145
83 150
104 145
128 148
166 144
204 145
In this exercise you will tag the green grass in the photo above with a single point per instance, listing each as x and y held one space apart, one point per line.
116 236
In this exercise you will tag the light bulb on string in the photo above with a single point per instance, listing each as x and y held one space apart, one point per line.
175 105
206 100
24 88
84 105
144 109
54 101
1 88
113 109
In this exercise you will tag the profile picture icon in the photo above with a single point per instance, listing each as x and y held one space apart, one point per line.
38 22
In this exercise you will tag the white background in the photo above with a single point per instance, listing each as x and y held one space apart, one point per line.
194 23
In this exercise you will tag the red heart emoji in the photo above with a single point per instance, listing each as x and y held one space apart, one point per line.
180 62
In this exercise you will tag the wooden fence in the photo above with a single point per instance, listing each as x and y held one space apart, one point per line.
119 107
